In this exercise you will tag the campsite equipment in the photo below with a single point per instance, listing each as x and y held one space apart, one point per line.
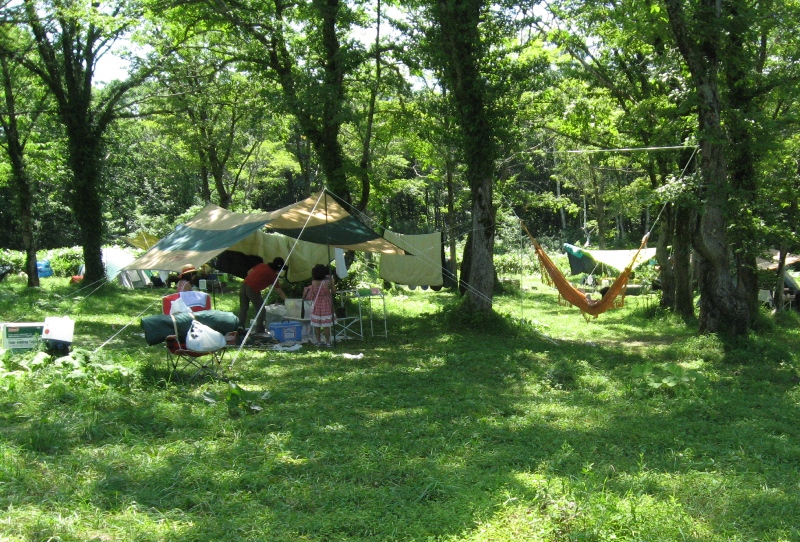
43 268
286 331
194 301
201 338
142 240
423 265
57 334
294 308
582 260
158 327
114 259
310 231
568 294
181 357
201 341
316 225
21 336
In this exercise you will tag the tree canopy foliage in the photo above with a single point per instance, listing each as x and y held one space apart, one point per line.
591 121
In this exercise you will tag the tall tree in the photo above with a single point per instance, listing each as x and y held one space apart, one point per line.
698 36
18 88
737 57
70 38
623 48
759 52
218 110
300 46
457 38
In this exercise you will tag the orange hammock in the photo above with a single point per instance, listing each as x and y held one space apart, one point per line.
614 298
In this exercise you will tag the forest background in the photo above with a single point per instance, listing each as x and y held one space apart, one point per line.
454 116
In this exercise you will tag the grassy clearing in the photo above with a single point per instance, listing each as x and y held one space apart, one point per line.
533 425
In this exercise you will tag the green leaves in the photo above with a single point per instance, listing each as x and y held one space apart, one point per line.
81 367
670 377
239 400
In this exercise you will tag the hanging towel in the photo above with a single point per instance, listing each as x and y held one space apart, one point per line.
341 268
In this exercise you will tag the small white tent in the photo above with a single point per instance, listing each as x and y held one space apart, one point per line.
114 259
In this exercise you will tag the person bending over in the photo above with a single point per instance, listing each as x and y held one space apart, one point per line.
258 279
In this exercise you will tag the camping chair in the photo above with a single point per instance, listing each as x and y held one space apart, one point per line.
197 301
180 357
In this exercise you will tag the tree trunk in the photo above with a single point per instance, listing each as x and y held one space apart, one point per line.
85 159
19 174
599 206
205 186
20 180
721 309
667 275
327 144
364 166
682 261
451 220
460 47
562 213
743 98
466 266
482 269
320 124
780 284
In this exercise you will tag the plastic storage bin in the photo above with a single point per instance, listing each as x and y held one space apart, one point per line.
43 268
286 331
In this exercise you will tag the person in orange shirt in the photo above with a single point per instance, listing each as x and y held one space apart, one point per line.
260 277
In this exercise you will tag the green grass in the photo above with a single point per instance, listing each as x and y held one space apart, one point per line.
528 425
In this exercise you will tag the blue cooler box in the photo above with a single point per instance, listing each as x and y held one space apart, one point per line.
286 331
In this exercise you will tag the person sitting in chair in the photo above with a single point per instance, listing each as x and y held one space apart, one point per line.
187 275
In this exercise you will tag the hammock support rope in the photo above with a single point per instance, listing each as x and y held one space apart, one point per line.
614 298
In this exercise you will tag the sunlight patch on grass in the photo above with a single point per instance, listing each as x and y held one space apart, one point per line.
437 433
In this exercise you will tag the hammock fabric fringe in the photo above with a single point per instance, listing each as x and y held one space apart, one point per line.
614 298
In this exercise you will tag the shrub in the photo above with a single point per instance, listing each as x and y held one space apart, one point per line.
515 263
13 258
65 261
564 374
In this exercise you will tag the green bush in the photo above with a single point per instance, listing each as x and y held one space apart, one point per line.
14 258
65 261
515 263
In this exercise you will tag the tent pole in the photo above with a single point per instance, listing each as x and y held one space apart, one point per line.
328 264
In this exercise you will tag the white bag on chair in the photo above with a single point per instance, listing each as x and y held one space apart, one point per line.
202 338
178 306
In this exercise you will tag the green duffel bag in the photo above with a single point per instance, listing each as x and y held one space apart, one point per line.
159 327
